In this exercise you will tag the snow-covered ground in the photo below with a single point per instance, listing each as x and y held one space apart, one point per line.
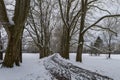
32 68
99 64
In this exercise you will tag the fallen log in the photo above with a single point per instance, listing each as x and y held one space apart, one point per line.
63 70
57 71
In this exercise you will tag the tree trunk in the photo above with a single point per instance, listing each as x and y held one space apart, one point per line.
44 52
12 56
1 56
109 46
65 44
20 46
80 49
14 31
66 48
41 55
20 49
109 54
81 34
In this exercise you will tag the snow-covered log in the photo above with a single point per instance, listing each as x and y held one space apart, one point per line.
63 70
56 70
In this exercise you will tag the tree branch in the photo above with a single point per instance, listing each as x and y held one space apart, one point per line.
106 29
106 16
61 12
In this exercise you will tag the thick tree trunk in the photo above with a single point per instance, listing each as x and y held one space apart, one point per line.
41 53
80 49
44 52
12 56
14 31
65 44
66 49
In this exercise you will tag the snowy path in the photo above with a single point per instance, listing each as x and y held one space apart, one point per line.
63 70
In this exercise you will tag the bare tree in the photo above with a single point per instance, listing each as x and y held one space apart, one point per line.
85 6
109 37
14 30
41 25
70 13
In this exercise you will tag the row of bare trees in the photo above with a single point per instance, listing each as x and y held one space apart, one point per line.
69 23
39 22
44 17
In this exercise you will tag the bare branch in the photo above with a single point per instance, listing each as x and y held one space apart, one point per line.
100 50
61 11
106 29
101 9
117 15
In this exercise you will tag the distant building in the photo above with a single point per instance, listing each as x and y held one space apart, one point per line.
97 46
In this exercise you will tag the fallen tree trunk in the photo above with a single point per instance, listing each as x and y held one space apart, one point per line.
63 70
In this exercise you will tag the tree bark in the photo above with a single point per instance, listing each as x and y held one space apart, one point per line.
80 49
81 34
109 54
12 56
41 53
20 51
44 52
65 43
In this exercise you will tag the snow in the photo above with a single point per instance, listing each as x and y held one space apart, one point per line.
99 64
10 6
32 67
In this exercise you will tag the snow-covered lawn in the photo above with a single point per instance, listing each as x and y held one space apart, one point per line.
99 64
32 68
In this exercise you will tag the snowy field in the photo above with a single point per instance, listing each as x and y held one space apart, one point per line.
32 68
99 64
